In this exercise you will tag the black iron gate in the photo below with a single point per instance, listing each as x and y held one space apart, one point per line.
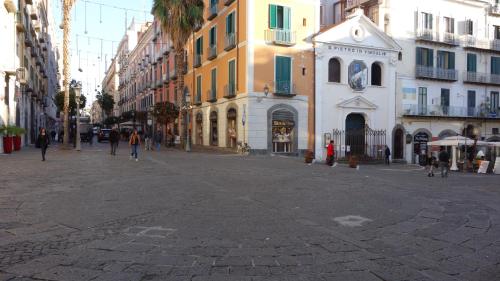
367 144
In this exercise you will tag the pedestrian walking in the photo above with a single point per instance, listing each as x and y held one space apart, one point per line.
147 140
135 142
158 139
330 154
444 162
431 162
43 142
114 139
387 155
53 135
90 134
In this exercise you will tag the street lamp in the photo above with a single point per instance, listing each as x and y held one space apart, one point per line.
77 87
187 107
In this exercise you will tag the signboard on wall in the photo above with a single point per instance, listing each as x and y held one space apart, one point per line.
409 94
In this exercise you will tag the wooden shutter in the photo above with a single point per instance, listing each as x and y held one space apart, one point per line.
419 56
287 18
273 19
451 60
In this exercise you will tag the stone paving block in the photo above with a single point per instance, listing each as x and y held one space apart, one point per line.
256 252
352 276
233 261
64 273
180 260
222 278
135 247
119 276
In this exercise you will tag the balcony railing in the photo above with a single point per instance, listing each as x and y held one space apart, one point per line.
32 12
212 95
283 88
436 73
439 37
470 41
280 37
230 41
197 60
212 52
482 78
495 10
230 91
447 111
212 12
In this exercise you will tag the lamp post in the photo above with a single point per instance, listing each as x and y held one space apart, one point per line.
187 106
77 87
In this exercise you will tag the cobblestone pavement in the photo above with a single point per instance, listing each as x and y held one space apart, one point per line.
208 216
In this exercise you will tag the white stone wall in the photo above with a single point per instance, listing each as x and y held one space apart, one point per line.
255 131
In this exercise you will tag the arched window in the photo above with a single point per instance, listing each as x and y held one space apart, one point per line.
334 70
376 74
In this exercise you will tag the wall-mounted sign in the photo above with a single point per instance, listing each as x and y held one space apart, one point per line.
409 94
359 51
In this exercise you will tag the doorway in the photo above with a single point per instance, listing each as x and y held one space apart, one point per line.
355 133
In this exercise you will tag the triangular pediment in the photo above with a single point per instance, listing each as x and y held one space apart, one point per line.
358 102
357 31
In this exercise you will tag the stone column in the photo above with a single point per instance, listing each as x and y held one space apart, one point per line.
454 159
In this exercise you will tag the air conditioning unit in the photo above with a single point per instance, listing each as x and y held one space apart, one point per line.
22 75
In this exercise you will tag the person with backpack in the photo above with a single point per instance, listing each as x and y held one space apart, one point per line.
134 142
444 162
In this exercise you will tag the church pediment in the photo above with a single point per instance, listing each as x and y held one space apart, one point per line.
358 102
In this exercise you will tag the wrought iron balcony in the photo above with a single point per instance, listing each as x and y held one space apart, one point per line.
22 75
481 78
212 95
280 37
212 52
448 111
230 91
429 35
229 41
426 72
471 42
494 10
197 60
283 88
213 10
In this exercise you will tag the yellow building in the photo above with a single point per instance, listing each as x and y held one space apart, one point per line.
251 75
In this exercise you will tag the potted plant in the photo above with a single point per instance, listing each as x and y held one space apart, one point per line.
18 132
7 132
353 161
308 156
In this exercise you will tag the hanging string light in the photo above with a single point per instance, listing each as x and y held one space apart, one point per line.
100 14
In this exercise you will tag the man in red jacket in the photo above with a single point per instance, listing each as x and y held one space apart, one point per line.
330 154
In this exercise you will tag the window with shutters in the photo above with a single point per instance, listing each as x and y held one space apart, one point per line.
376 74
425 57
334 70
495 65
471 103
445 101
279 17
230 37
469 27
494 102
471 62
283 78
426 21
198 89
198 52
445 60
213 85
422 101
449 25
497 33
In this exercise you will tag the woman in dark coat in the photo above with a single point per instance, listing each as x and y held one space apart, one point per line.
43 141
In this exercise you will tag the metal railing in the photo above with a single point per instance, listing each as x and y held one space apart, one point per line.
212 95
280 37
197 60
230 90
283 87
229 41
446 111
212 52
494 9
434 36
470 41
482 78
213 10
436 73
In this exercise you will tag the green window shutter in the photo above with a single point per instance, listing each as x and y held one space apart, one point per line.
283 74
214 82
286 18
471 63
198 88
232 73
273 18
430 58
201 45
451 60
419 56
230 23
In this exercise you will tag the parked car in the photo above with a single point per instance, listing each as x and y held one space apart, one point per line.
103 135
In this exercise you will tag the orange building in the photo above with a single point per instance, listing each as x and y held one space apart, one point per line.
251 75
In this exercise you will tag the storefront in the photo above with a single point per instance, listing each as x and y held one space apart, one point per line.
420 148
283 130
231 128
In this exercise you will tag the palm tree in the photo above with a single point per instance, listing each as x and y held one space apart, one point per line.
66 26
179 19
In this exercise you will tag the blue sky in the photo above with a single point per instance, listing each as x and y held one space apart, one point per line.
92 22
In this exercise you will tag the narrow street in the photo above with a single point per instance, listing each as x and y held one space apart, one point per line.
208 216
